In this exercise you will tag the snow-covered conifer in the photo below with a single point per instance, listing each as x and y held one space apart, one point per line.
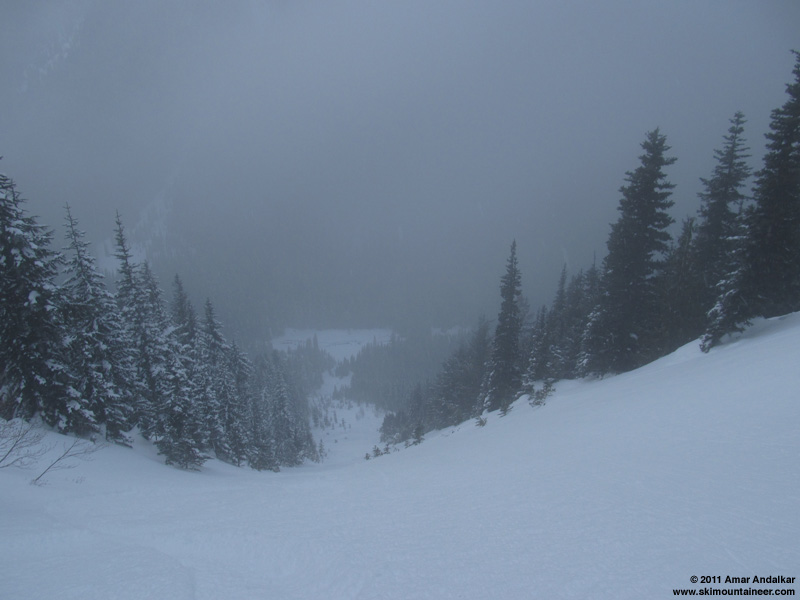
32 368
100 366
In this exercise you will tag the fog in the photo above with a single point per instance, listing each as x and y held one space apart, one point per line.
353 163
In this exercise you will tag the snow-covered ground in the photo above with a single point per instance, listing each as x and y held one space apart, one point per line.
620 488
356 427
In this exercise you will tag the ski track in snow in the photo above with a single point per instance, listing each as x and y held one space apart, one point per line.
618 488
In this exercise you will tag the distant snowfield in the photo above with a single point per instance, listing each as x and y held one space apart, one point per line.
619 488
339 343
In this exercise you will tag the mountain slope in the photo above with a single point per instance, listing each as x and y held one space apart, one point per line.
620 488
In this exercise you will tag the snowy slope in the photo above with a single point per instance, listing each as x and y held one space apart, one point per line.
620 488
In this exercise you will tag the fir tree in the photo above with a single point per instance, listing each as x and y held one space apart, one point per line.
129 300
185 338
722 202
184 316
237 430
260 450
126 271
762 273
174 421
99 364
281 423
280 436
731 312
575 322
32 368
165 409
557 328
222 407
626 326
154 354
719 243
539 366
772 247
682 291
503 378
459 380
589 310
177 429
208 385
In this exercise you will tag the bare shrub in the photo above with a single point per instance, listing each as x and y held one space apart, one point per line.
21 444
80 449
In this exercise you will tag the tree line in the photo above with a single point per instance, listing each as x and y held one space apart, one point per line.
93 363
737 259
386 374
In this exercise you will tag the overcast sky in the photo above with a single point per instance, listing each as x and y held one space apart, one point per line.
365 163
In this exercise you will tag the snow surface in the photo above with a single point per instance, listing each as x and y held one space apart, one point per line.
619 488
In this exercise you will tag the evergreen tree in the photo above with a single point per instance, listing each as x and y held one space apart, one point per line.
185 339
413 420
126 287
682 291
557 328
591 290
184 316
589 310
174 422
167 379
718 247
503 376
459 381
626 326
129 300
153 354
281 423
32 365
260 450
237 428
722 202
731 312
539 367
762 273
575 322
280 435
772 248
165 409
216 390
554 348
99 364
385 374
176 435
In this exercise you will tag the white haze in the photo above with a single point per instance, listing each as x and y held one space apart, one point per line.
368 163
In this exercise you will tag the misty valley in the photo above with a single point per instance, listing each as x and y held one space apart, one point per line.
350 334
